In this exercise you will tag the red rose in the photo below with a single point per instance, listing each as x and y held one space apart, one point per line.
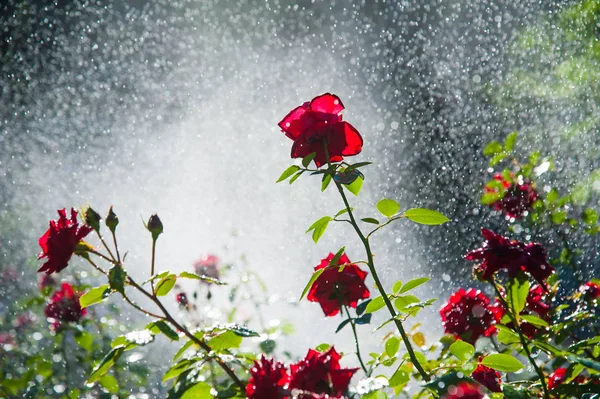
468 315
47 281
557 377
487 377
60 241
319 122
64 305
320 373
590 291
333 289
268 380
518 197
182 300
499 252
208 266
464 390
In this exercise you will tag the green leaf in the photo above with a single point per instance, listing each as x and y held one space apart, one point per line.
342 325
399 378
397 286
375 304
288 172
511 392
225 340
296 176
357 165
200 390
183 349
497 158
242 331
109 383
391 346
360 309
313 278
589 363
517 290
325 182
85 340
413 284
507 336
425 216
510 141
388 207
94 295
322 347
160 326
340 213
364 319
536 321
179 368
336 258
194 276
502 362
116 278
492 148
589 216
356 186
559 217
318 228
370 220
105 364
403 301
308 159
462 350
164 286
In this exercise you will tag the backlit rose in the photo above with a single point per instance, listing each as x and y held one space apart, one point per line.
268 380
464 390
487 377
64 305
334 289
320 374
499 252
468 315
319 122
59 242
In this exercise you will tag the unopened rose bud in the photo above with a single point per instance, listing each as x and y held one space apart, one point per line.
112 220
92 219
155 226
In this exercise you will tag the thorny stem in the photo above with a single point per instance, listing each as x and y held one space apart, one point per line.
167 316
107 248
102 256
371 265
353 325
198 341
513 318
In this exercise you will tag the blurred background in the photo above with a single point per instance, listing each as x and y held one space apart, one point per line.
172 107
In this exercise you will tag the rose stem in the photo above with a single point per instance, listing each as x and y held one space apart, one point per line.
538 371
371 265
352 324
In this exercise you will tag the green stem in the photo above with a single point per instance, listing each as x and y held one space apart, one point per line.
198 341
353 325
152 264
371 265
515 322
116 246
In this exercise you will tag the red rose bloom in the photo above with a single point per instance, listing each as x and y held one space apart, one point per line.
59 242
487 377
499 252
557 377
182 300
517 198
64 305
319 122
268 379
468 315
320 374
333 289
464 390
590 291
208 266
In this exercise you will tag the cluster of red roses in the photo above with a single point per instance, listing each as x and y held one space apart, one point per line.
317 376
58 245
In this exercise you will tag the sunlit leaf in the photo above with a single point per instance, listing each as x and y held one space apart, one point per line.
288 172
425 216
375 304
517 290
510 141
308 159
388 207
462 350
313 278
391 346
502 362
413 284
94 295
